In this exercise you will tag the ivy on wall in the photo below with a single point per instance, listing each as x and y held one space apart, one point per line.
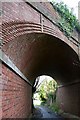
68 22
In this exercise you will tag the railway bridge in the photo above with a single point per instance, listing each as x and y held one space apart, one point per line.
32 45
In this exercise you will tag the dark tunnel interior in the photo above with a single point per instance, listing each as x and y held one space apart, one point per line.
44 54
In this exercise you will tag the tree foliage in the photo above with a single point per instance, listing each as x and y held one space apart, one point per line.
68 22
47 89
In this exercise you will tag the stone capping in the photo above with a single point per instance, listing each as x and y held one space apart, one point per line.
5 59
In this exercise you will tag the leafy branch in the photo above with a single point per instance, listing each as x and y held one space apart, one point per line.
68 22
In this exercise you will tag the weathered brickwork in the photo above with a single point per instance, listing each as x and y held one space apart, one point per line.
1 89
36 46
68 98
16 95
21 12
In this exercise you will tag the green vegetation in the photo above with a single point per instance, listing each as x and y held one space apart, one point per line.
68 22
47 90
47 93
54 107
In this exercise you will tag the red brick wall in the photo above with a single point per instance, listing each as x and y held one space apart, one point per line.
22 12
16 98
0 90
68 97
19 11
16 95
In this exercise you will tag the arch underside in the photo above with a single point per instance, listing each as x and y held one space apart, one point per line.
36 54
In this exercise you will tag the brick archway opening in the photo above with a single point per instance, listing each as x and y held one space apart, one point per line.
38 53
44 87
35 54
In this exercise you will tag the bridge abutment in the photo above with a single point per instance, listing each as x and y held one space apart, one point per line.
36 48
68 97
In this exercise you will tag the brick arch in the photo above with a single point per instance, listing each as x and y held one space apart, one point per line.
14 29
58 62
35 52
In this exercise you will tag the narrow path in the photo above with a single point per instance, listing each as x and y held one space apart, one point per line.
44 112
47 113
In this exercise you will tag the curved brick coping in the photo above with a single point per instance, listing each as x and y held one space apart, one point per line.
5 59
